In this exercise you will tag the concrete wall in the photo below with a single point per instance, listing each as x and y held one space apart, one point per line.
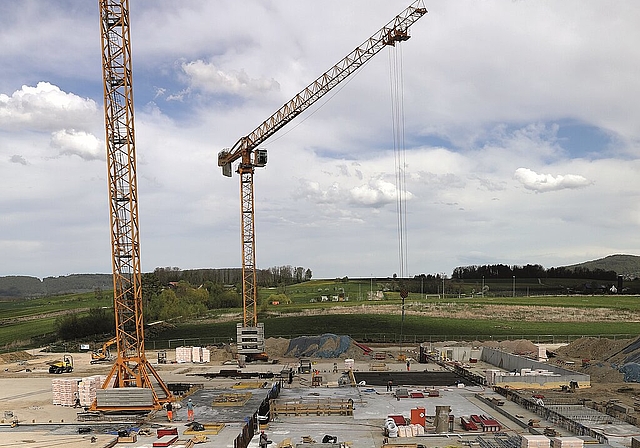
511 363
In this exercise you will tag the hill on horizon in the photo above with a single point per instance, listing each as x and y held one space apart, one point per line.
626 265
17 287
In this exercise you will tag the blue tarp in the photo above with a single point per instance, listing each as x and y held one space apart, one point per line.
631 372
325 346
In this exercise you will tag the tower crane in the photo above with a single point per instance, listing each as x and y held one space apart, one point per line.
251 335
132 378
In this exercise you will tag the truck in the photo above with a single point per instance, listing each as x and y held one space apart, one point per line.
64 365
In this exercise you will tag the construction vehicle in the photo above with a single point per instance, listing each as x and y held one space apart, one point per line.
250 339
104 353
64 365
305 366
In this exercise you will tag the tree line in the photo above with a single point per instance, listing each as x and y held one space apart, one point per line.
271 277
503 271
171 293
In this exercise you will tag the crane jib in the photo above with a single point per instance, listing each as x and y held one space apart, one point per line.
397 30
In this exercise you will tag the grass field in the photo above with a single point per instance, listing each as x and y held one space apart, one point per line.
26 319
387 328
43 305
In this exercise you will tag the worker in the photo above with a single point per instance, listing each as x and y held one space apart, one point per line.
263 440
390 386
169 412
408 365
189 410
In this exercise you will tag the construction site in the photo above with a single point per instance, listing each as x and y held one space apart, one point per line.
369 397
320 391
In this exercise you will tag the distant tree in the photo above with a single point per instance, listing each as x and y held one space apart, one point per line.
99 321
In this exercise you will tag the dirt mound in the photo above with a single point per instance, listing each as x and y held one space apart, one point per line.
276 347
7 358
594 348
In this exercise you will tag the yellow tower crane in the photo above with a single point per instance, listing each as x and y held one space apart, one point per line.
250 334
132 383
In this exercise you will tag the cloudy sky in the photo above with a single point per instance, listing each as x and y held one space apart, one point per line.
521 135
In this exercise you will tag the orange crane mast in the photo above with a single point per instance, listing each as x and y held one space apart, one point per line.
245 150
131 369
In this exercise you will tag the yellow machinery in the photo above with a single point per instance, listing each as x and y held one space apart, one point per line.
131 368
65 365
251 336
103 354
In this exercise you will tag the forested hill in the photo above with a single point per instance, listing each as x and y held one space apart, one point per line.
625 265
15 287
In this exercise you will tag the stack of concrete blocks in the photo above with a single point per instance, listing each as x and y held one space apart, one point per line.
64 391
567 442
200 355
542 353
184 354
87 388
410 430
535 441
349 364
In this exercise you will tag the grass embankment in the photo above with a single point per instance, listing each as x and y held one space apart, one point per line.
385 327
25 320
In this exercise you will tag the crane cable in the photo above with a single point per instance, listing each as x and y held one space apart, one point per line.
397 112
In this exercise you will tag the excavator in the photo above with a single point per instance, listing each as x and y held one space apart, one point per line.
103 354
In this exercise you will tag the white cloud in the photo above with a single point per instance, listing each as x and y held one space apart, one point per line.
481 99
206 77
548 182
45 107
18 159
376 193
79 143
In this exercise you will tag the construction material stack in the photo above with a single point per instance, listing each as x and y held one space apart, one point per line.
535 441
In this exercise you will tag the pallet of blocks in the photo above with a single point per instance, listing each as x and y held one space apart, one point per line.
567 442
65 391
184 354
87 388
535 441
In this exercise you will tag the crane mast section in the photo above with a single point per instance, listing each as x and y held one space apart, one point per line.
396 30
131 368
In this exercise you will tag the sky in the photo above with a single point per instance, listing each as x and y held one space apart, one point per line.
520 124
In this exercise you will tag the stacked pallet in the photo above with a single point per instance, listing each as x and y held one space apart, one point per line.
64 391
567 442
200 354
184 354
534 441
87 388
193 354
410 430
